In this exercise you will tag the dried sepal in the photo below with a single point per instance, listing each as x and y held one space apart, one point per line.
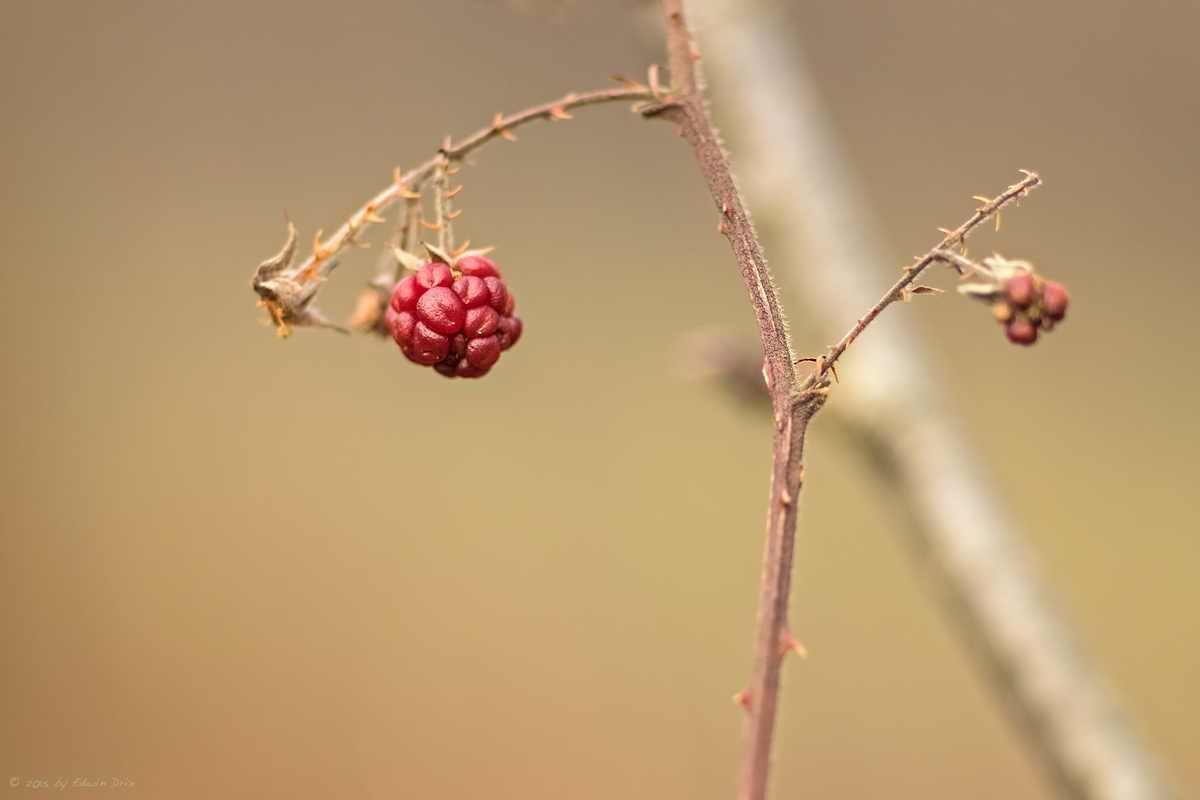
273 266
993 272
288 298
407 259
438 254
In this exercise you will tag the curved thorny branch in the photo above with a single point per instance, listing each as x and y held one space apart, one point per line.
287 292
942 252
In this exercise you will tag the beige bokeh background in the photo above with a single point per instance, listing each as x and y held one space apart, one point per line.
238 567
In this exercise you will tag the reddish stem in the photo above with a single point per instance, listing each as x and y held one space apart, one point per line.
793 407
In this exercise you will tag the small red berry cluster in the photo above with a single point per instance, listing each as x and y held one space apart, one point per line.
1028 303
456 319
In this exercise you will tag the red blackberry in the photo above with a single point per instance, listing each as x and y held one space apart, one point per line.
458 327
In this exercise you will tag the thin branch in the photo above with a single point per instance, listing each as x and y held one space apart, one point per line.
793 408
973 555
441 206
938 253
409 183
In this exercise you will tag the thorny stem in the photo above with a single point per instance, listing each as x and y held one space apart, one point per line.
409 183
939 253
441 204
405 237
793 405
412 225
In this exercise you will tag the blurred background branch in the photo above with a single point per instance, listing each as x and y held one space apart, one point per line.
897 410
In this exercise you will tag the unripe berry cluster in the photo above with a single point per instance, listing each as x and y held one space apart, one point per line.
455 319
1028 303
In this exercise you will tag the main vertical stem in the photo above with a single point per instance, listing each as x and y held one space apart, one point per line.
793 408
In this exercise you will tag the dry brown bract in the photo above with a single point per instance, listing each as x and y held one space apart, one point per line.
288 297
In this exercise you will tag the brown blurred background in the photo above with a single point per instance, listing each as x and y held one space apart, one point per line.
239 567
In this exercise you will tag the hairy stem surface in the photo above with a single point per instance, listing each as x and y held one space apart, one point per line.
793 408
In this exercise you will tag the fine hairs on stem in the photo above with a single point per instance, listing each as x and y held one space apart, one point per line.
287 292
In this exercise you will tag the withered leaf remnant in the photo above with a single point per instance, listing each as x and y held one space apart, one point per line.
286 295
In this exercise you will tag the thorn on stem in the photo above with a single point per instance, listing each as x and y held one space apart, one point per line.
655 89
790 644
498 127
320 253
630 82
743 699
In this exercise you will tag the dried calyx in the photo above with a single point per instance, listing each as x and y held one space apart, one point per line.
287 295
1021 300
